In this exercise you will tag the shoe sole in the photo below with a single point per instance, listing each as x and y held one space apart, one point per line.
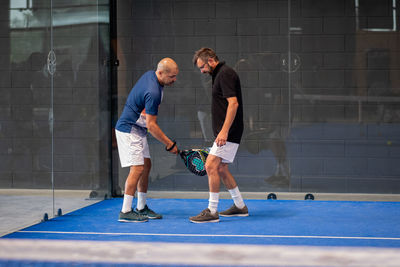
234 215
210 221
154 218
124 220
150 217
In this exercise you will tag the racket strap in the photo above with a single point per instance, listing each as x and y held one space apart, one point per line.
173 145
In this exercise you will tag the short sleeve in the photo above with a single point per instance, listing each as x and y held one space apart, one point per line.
228 84
152 101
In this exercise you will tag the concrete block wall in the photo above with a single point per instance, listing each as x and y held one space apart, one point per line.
25 104
330 143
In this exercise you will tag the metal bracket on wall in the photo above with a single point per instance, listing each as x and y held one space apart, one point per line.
51 62
112 62
291 64
115 62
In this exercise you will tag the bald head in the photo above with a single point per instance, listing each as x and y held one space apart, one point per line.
167 64
167 70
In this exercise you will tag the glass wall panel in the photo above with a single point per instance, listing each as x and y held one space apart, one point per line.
320 87
25 108
82 126
55 126
345 96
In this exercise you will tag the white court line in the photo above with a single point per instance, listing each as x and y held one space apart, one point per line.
209 235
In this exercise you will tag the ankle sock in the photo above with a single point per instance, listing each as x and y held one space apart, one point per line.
141 200
127 204
237 197
213 202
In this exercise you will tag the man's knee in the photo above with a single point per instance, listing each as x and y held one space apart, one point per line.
136 170
212 167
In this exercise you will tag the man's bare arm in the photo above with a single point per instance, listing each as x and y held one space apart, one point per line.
233 105
155 130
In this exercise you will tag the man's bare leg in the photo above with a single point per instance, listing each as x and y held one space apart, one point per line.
143 185
239 209
226 176
212 168
135 172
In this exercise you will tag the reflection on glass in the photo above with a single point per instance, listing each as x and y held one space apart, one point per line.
320 83
79 48
364 7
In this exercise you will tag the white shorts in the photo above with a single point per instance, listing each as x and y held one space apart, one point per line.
132 147
227 152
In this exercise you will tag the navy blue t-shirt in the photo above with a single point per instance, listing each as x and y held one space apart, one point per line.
146 94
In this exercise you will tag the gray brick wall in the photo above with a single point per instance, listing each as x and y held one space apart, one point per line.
310 118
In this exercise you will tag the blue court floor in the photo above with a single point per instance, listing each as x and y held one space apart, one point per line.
271 222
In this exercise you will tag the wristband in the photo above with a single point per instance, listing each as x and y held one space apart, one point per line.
173 145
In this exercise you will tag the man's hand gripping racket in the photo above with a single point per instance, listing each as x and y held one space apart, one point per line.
195 160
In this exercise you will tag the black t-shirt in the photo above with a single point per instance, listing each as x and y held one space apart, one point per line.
226 83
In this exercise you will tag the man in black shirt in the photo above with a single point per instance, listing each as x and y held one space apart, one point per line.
227 121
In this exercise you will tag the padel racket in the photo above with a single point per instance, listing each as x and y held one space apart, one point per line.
195 160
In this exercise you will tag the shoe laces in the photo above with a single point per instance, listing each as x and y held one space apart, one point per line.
205 212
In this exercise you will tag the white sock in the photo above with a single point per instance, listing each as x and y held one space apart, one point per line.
213 202
141 200
127 204
237 197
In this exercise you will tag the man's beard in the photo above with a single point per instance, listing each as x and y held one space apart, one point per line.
211 69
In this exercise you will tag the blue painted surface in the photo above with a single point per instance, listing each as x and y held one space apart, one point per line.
271 222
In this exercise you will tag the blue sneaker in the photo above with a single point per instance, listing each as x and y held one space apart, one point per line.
132 216
149 213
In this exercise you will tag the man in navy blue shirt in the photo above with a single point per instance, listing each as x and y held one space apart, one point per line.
138 117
